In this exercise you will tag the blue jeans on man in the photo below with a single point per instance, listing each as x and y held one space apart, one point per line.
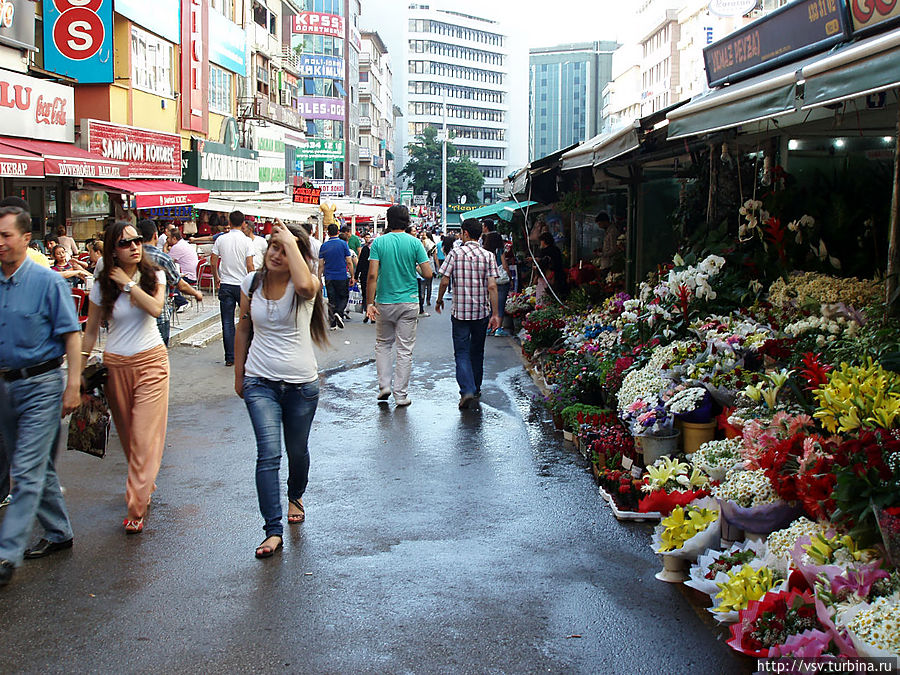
229 299
30 411
276 409
468 349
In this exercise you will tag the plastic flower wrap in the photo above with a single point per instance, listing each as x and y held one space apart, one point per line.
688 530
691 404
669 483
772 619
875 628
855 397
712 567
648 417
715 458
829 555
744 584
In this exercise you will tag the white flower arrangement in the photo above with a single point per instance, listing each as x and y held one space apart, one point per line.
644 383
878 625
746 488
781 543
686 400
829 329
716 458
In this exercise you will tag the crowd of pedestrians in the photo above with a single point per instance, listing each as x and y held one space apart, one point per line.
277 288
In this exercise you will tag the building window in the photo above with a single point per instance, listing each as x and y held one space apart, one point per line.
151 63
219 90
225 7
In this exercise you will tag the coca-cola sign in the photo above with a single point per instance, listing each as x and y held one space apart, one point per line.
150 154
866 14
33 108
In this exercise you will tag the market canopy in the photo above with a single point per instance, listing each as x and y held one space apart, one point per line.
602 148
853 70
501 209
150 194
283 210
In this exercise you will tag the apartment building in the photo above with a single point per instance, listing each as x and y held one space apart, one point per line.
376 119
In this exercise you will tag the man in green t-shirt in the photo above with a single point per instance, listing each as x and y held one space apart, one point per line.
393 302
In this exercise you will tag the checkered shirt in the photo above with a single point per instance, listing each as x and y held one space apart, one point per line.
469 267
162 260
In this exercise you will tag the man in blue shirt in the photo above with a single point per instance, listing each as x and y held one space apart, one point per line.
336 263
37 326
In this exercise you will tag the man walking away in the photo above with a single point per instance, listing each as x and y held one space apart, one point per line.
258 245
231 261
335 263
473 271
392 299
37 326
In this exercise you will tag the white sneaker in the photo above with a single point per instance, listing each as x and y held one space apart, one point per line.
339 320
422 314
6 501
403 402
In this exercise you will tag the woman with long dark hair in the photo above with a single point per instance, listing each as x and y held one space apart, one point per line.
129 294
276 373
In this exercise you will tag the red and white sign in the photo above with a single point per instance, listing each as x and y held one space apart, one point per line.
150 154
35 108
17 164
867 13
316 23
78 32
153 194
195 65
329 188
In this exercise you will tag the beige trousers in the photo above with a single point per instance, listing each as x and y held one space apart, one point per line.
395 326
138 394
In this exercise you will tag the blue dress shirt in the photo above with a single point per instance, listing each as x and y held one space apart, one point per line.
36 312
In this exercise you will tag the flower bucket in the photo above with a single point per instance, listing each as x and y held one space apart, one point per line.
558 421
695 434
568 436
655 447
674 570
759 521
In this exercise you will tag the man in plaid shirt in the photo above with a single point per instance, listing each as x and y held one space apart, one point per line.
473 270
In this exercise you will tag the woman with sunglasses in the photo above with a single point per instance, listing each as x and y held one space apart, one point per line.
129 295
276 372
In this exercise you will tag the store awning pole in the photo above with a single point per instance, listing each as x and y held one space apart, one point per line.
353 224
893 262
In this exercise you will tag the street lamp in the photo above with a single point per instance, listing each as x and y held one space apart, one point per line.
433 197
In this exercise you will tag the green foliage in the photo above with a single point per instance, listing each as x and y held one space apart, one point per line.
424 168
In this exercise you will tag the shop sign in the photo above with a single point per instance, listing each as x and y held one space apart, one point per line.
229 47
313 65
317 23
330 188
320 150
462 208
871 15
195 65
731 8
320 108
307 194
17 24
33 108
787 34
78 40
268 141
216 166
160 16
150 154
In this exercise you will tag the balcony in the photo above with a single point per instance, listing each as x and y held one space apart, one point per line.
290 60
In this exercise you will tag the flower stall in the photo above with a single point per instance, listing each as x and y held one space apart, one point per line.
758 423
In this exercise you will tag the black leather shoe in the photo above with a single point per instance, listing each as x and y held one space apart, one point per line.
6 572
45 548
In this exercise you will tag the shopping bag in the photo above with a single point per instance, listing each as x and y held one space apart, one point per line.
355 301
89 426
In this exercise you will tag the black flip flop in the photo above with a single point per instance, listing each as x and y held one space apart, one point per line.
266 551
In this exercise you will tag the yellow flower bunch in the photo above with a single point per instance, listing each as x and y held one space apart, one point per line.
683 524
670 475
743 585
859 396
840 550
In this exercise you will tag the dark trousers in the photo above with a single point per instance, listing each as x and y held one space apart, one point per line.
468 350
229 298
421 295
4 472
364 289
338 294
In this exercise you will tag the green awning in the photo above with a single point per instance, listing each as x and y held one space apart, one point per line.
854 70
759 98
500 209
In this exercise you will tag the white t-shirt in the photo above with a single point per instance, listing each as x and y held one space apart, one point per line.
258 246
282 348
131 329
233 249
314 246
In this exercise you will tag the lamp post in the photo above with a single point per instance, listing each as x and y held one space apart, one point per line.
444 171
433 197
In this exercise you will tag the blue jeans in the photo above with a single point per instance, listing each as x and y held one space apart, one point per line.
4 470
229 298
468 349
274 406
502 294
30 423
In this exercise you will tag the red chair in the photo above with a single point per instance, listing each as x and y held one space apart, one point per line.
80 297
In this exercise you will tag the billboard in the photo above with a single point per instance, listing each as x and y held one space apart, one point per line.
228 48
36 108
321 108
195 65
150 154
320 150
78 41
314 65
317 23
162 17
866 14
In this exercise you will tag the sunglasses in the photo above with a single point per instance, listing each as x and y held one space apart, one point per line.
128 243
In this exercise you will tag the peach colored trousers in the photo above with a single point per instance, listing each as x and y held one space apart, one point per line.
138 392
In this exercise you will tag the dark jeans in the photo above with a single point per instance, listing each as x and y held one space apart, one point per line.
428 284
364 289
421 295
278 408
229 298
502 294
338 294
468 349
4 471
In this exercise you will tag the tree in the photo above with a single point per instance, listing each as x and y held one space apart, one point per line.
424 168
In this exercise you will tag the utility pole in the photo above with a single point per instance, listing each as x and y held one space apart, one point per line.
444 171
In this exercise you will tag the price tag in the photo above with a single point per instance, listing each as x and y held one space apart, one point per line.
636 472
627 463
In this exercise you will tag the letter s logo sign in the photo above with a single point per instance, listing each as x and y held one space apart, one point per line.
78 33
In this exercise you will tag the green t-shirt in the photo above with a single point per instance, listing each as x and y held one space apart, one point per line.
355 243
397 254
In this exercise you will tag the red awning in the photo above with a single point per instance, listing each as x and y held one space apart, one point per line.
15 163
64 159
150 194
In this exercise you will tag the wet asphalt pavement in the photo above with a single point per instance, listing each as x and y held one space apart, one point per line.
436 541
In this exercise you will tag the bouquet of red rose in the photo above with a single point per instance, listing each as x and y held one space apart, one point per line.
769 622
